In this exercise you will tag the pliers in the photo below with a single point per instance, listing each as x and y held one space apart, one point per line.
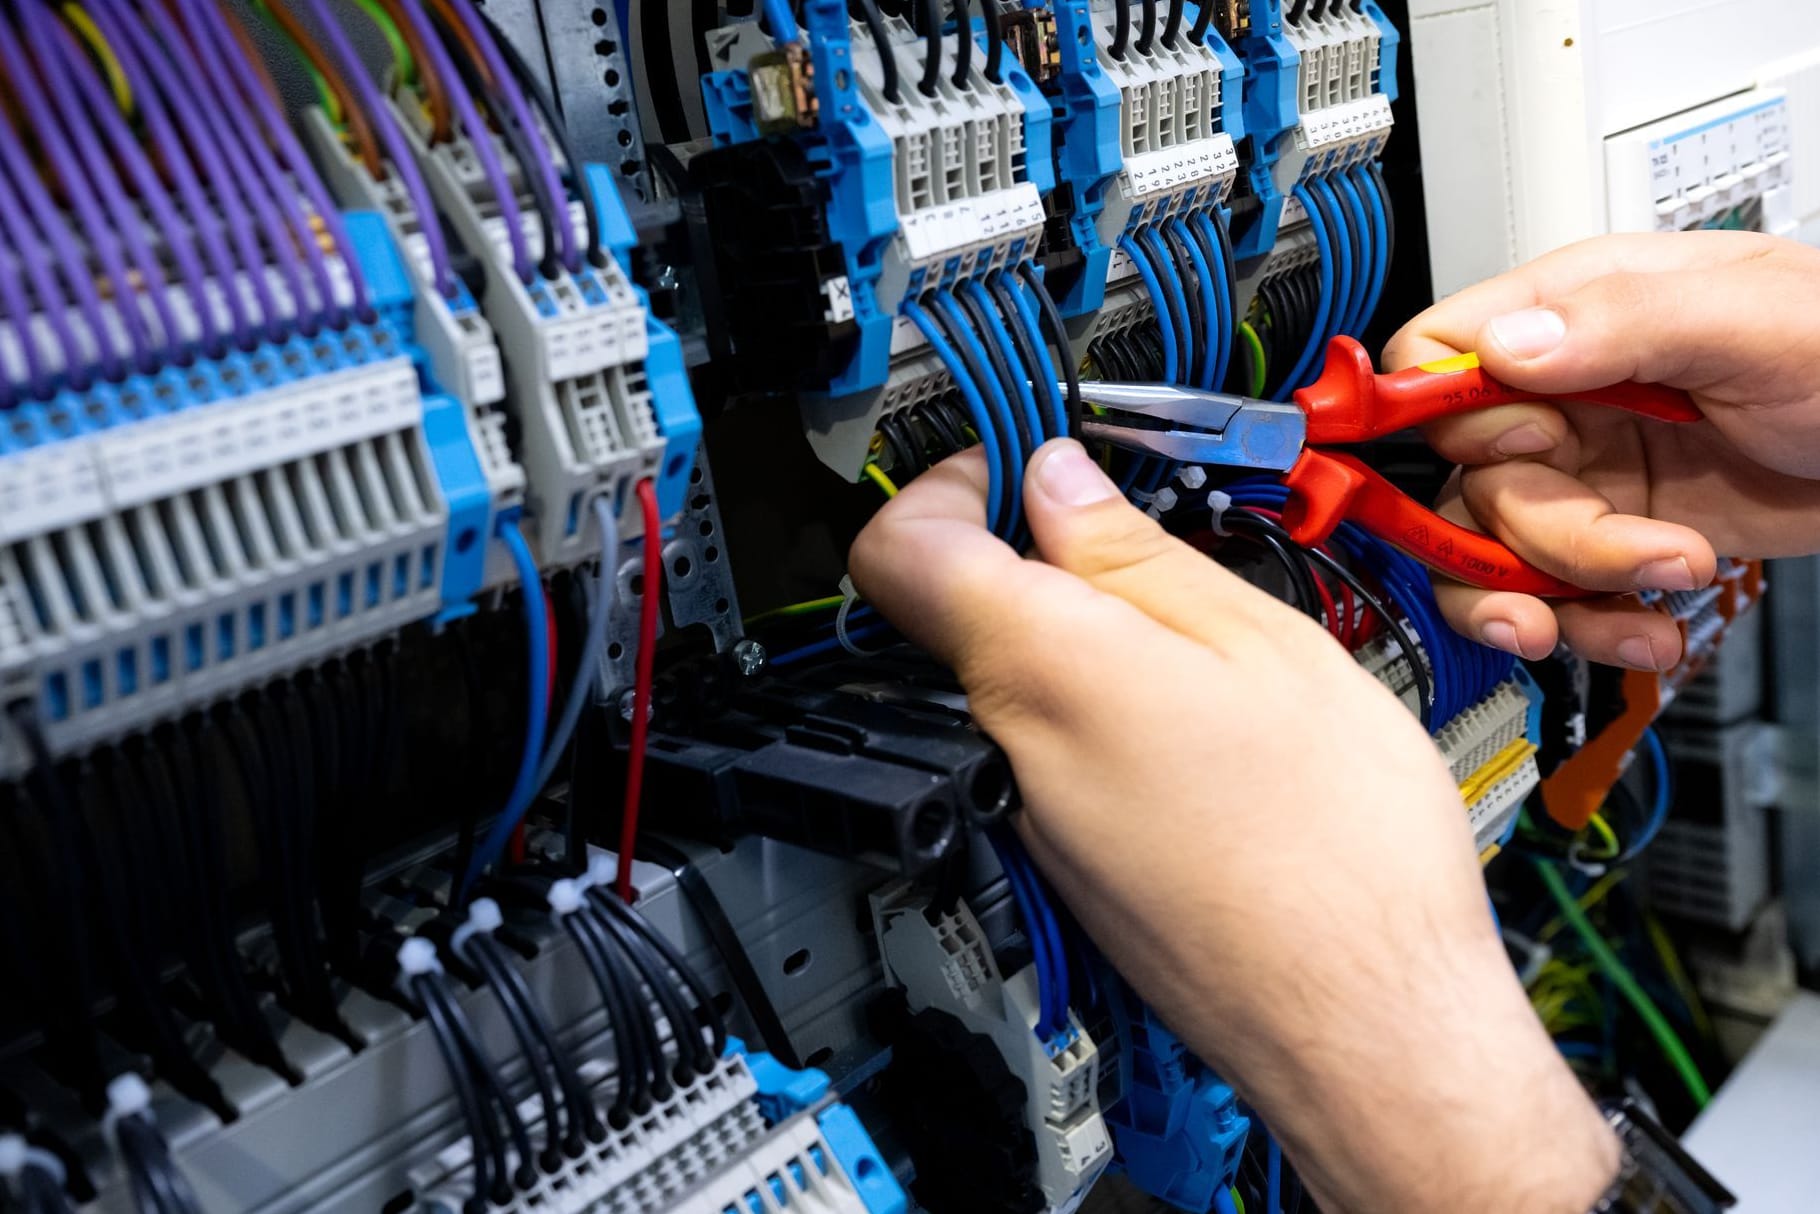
1352 403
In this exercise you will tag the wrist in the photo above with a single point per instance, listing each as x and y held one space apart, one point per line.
1455 1099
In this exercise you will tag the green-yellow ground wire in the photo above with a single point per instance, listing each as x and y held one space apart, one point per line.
1620 977
401 51
1260 370
331 104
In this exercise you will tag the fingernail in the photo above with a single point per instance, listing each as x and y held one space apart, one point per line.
1069 476
1530 333
1639 653
1670 574
1501 634
1524 440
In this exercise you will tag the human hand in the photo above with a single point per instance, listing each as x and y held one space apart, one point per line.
1602 498
1259 833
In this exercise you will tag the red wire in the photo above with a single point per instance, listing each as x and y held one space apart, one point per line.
641 696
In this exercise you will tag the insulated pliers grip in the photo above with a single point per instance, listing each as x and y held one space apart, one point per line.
1327 489
1352 403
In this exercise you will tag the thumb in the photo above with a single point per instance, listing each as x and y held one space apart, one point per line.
1654 327
1082 524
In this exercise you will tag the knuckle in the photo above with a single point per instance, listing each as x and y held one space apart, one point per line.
1118 540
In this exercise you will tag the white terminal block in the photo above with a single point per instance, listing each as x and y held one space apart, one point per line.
1345 117
461 349
574 349
1694 168
949 966
155 566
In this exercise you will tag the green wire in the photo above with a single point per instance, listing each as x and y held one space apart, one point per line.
1260 371
1238 1201
401 52
331 105
1608 963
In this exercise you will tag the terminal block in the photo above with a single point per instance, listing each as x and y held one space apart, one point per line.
596 385
167 541
942 961
752 1135
924 193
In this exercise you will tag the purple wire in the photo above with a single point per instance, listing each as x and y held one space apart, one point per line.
69 171
379 113
23 238
507 85
205 229
159 60
298 161
280 190
211 110
478 135
95 99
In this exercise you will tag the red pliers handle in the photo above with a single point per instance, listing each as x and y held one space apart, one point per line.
1352 403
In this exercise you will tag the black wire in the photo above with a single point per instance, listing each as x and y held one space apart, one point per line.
487 1149
704 1002
995 40
1027 355
1057 332
1203 19
531 1046
733 955
932 39
1294 15
1259 530
156 1185
1172 29
584 1120
692 1056
937 419
1418 663
1147 33
1197 307
1121 30
641 1016
963 47
492 1088
902 445
630 1092
1390 213
546 106
887 55
43 1195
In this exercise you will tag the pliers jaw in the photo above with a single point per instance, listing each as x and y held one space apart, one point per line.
1227 431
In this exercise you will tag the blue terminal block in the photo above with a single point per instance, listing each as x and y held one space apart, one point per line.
452 455
783 1093
1177 1132
1088 152
1272 112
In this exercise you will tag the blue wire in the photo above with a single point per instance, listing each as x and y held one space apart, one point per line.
1058 404
1004 425
1170 273
537 630
1222 1201
1273 1185
1229 326
1321 188
1348 194
982 421
995 321
780 20
1311 352
1662 792
1016 879
1155 287
1058 950
828 646
1213 310
1380 240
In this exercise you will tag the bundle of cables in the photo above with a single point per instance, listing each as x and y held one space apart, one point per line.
32 1179
1453 672
1042 928
994 336
1298 311
158 1187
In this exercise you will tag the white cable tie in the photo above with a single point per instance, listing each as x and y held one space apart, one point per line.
850 596
128 1095
566 897
1192 476
484 918
603 871
1219 503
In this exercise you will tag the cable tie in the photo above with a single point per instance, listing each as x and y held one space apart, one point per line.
484 918
1192 476
1219 503
417 957
566 898
850 596
128 1095
602 871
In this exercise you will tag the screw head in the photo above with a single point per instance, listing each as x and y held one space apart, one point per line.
749 657
628 702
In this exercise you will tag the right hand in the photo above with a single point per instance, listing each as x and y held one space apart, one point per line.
1602 498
